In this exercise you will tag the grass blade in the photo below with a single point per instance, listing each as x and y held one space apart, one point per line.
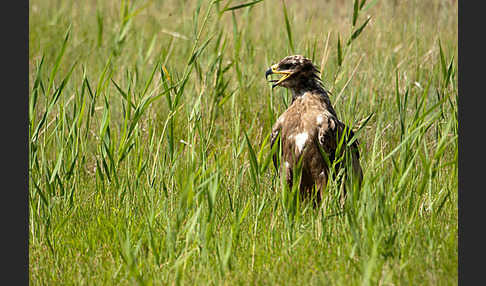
358 31
241 5
355 11
339 52
288 28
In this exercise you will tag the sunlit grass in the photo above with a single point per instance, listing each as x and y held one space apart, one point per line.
149 154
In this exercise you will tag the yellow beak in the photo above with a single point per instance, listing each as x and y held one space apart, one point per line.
273 70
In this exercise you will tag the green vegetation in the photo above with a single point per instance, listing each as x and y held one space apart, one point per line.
149 157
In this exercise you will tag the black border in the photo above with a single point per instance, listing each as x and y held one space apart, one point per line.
471 171
15 70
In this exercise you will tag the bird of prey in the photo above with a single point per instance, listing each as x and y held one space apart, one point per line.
310 131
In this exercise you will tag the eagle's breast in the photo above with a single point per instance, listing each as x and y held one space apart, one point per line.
301 125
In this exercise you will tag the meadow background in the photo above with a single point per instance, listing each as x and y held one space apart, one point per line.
149 157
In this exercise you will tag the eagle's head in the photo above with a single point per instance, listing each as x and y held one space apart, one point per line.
297 72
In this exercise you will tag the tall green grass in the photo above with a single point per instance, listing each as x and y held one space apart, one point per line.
149 154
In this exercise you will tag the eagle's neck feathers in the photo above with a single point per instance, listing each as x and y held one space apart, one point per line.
312 85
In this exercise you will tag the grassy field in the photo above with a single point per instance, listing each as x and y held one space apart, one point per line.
149 127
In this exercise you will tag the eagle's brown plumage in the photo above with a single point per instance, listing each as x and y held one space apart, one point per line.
310 126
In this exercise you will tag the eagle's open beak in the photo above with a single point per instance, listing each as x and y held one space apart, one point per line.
273 70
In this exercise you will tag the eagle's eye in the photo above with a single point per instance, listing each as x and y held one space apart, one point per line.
285 66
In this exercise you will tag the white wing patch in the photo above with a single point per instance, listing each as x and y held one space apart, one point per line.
319 119
300 140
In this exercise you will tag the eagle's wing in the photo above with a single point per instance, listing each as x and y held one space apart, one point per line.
330 136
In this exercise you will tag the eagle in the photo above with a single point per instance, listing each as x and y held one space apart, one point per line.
313 140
